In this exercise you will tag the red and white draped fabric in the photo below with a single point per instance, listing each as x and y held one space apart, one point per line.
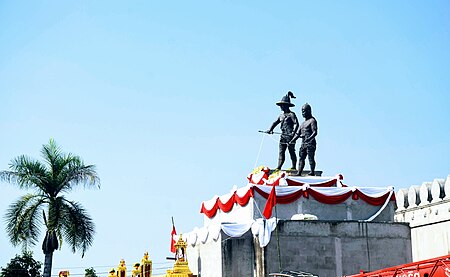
259 176
226 202
289 194
314 181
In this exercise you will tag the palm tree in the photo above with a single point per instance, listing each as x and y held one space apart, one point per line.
63 219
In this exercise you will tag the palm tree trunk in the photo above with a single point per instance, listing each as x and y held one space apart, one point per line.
48 264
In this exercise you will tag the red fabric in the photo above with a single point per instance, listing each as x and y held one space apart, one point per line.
271 202
281 199
227 206
329 199
172 242
373 200
329 183
212 212
242 201
306 194
260 177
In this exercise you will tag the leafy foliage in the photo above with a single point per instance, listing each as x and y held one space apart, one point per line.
90 272
63 219
22 266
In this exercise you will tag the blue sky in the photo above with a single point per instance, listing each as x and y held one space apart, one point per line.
166 98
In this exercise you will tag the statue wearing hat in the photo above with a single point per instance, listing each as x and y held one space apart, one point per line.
112 273
308 133
289 126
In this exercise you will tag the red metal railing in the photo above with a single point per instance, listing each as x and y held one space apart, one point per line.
436 267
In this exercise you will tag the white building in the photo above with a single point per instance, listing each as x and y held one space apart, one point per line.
427 209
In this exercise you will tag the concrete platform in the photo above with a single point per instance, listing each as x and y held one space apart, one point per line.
326 248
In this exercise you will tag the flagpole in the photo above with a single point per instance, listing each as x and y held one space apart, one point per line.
172 239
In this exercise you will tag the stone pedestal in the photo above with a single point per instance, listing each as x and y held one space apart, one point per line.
304 173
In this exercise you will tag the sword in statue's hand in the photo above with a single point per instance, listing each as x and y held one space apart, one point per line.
270 133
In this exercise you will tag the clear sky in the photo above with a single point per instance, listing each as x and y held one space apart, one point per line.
166 98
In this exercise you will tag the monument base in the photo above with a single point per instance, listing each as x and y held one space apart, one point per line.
291 172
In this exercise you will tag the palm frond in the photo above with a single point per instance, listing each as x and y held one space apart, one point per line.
55 213
66 220
8 176
51 152
23 220
78 228
77 173
26 173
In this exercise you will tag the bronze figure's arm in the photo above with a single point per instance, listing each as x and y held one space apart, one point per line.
296 124
274 124
313 129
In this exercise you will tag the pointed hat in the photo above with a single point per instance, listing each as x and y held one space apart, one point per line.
286 100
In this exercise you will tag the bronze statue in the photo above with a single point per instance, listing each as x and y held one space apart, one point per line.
289 126
308 133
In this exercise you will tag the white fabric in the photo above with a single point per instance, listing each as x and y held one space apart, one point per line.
191 237
242 191
260 228
332 191
235 229
263 229
310 179
210 203
280 191
226 197
282 182
287 190
214 231
257 177
382 207
327 191
375 192
202 234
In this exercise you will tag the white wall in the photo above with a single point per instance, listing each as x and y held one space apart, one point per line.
429 219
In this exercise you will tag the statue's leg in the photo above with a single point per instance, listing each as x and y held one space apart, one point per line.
291 149
281 154
312 161
302 157
301 165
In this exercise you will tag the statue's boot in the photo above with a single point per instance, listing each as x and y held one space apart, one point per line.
313 168
301 165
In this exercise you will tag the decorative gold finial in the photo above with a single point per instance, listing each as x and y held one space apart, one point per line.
146 266
122 269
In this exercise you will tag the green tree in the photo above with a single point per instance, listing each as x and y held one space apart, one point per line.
90 272
22 266
64 220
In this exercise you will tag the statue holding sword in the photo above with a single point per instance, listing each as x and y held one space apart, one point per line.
289 127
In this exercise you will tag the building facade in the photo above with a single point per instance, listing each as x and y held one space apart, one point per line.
427 210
